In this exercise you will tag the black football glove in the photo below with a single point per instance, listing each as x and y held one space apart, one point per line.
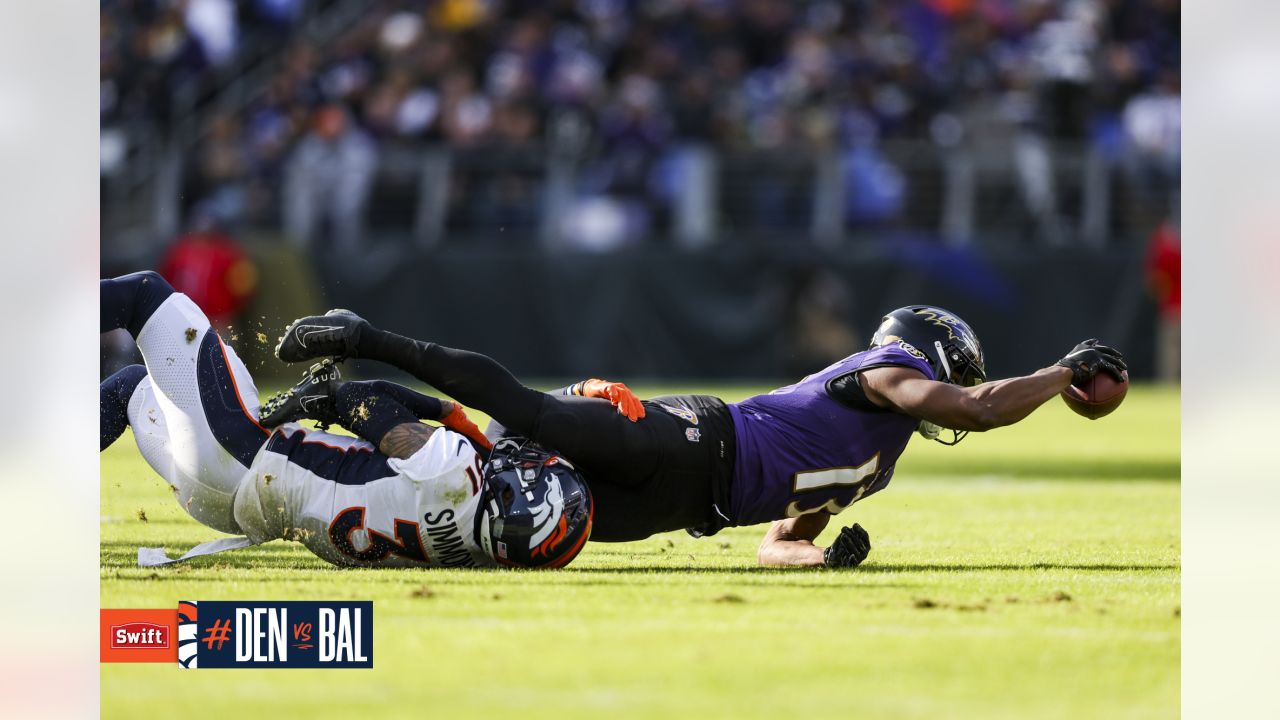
849 549
1089 358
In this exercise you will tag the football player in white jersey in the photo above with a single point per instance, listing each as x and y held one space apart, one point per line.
420 496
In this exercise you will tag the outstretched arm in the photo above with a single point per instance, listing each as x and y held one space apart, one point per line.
445 412
989 405
386 414
984 407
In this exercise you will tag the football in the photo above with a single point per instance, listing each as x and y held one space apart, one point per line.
1097 397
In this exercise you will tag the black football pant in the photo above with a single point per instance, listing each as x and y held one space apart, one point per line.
646 477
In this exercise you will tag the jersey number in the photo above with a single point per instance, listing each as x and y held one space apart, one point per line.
860 477
407 543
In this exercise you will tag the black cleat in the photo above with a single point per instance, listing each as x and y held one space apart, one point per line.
333 334
310 399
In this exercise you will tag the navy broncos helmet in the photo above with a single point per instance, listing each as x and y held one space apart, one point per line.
536 511
945 341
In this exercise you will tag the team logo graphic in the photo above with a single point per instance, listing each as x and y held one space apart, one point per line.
950 323
550 526
187 638
311 403
231 634
681 412
306 332
307 634
956 330
134 635
911 349
139 636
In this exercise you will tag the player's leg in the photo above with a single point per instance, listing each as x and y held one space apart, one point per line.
470 378
128 399
113 403
201 390
589 431
130 300
586 430
424 407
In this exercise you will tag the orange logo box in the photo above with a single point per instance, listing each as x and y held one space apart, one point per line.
138 635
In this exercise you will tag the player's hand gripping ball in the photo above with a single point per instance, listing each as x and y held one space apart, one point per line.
850 548
1100 379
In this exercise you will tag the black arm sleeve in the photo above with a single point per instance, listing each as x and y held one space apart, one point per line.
424 406
846 390
369 412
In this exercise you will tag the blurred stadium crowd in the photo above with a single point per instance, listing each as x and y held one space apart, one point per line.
927 135
639 83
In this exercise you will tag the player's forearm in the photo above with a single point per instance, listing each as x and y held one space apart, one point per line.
424 406
789 553
404 440
1005 402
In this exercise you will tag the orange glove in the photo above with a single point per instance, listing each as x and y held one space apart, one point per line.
616 393
458 422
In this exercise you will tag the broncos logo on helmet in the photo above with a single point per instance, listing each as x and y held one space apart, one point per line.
546 513
557 534
537 508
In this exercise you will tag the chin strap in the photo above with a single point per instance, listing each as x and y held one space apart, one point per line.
932 431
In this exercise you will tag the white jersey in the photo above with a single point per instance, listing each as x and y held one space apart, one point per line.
194 418
351 505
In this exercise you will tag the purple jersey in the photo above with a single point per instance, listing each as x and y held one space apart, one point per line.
801 451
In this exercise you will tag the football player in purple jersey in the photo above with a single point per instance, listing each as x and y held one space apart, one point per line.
795 456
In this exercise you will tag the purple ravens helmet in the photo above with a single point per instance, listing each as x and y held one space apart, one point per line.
945 341
536 510
948 343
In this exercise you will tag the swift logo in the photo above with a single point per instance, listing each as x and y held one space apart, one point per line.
132 635
139 636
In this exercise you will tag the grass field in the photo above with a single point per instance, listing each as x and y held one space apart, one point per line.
1032 572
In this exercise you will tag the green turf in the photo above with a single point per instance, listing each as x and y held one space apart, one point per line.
1032 572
